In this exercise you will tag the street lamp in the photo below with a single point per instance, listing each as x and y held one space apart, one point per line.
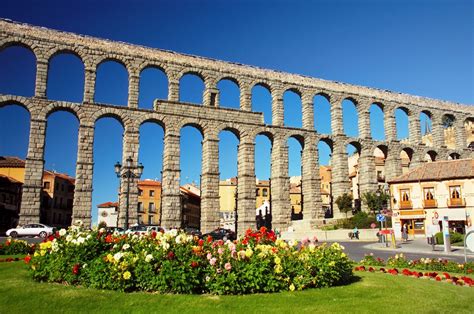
127 173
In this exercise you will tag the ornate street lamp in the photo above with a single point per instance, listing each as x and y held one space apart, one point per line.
127 173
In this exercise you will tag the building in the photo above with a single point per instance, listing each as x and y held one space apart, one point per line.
190 208
108 214
10 201
426 195
57 195
149 202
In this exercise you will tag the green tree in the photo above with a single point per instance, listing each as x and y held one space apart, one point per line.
373 201
344 203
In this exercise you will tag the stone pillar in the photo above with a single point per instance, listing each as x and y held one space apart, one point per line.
389 123
245 97
417 158
460 133
311 182
210 182
280 185
131 142
246 186
82 204
414 127
438 130
367 173
33 180
336 115
133 88
173 85
277 106
393 163
339 176
308 110
364 119
89 82
41 77
170 194
211 94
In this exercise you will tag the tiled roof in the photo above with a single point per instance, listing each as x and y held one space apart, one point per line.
108 205
11 162
186 191
438 171
149 183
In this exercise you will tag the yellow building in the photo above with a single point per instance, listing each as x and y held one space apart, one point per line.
426 195
149 202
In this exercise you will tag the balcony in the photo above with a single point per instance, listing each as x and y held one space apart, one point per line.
405 205
430 204
456 202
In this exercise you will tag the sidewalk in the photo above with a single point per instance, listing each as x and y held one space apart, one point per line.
419 246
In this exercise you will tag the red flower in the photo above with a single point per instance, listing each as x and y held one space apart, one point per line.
9 259
438 278
201 242
371 269
51 238
209 239
153 234
56 234
469 271
170 255
108 238
245 241
263 229
75 269
194 264
446 275
27 259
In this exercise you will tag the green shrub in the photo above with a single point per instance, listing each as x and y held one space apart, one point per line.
16 247
453 237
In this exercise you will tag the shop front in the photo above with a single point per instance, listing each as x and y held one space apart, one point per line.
414 219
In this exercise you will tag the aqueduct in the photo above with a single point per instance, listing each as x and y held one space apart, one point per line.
210 119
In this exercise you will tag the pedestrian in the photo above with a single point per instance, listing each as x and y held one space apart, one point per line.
405 232
355 232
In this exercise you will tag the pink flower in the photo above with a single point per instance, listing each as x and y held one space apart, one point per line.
209 256
227 266
220 251
305 240
213 261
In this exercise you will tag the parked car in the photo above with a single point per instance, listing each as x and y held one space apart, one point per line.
137 229
114 229
31 230
193 231
221 234
155 228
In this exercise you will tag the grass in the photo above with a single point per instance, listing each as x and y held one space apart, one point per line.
371 293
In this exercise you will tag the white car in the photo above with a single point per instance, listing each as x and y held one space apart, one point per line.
31 230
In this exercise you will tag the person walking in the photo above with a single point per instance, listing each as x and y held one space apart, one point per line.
405 232
355 233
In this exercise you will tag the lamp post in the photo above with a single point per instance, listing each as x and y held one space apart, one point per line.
382 237
127 173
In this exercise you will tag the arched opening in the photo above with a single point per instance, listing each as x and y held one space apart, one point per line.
153 85
292 109
262 102
190 165
350 118
229 94
263 150
380 154
401 120
191 88
448 121
325 153
353 152
454 156
426 128
111 85
377 128
322 114
430 156
108 137
469 128
228 151
60 167
406 156
295 149
150 154
14 138
65 78
17 71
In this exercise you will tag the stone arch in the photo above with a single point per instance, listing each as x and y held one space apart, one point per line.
232 129
193 124
262 83
454 156
267 134
75 51
157 119
431 155
322 112
377 119
61 106
292 107
406 156
469 129
22 58
155 75
110 113
449 121
402 122
111 60
8 101
73 70
350 124
202 82
21 42
227 87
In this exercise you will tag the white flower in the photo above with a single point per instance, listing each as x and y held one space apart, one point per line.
126 246
81 240
102 230
173 232
62 232
165 245
178 239
54 246
84 266
88 236
118 256
148 258
69 238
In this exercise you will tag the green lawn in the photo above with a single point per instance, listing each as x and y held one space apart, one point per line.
372 293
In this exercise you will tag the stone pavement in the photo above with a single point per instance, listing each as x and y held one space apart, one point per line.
419 246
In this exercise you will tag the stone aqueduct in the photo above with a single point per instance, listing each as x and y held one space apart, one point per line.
172 115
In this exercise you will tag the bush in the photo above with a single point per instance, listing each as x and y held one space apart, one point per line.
453 237
174 262
16 247
360 220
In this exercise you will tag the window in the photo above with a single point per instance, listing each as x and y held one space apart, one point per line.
405 195
140 206
150 220
56 186
46 185
455 192
264 192
429 193
152 193
257 192
151 207
140 192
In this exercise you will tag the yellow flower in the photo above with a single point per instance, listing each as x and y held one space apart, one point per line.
332 263
127 275
292 287
278 269
42 252
33 267
248 252
343 255
110 258
277 260
36 254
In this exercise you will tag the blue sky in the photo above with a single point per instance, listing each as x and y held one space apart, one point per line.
418 47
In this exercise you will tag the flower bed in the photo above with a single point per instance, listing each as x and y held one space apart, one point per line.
177 263
445 277
431 264
16 247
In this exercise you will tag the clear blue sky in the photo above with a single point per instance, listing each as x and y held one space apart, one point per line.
419 47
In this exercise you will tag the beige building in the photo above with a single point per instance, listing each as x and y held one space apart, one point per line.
426 195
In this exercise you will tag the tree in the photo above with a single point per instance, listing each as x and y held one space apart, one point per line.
344 203
375 202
